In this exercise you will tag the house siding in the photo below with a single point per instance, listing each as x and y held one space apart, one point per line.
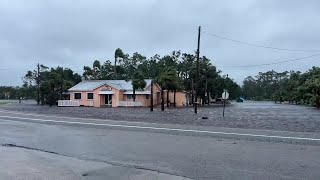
83 101
118 95
156 89
181 99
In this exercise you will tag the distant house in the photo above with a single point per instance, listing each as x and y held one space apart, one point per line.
180 96
112 93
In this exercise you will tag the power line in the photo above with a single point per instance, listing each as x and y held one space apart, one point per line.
257 45
266 64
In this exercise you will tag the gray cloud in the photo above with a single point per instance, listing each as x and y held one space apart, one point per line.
74 33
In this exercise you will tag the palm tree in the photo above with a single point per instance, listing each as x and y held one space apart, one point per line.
176 86
96 70
117 54
138 82
167 79
87 74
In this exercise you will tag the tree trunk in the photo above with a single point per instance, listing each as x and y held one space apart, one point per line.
167 98
204 99
61 85
134 95
192 98
174 98
162 100
151 97
38 94
208 97
38 84
192 92
51 99
115 67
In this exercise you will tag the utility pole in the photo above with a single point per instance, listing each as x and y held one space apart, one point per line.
197 74
62 83
151 100
224 94
38 84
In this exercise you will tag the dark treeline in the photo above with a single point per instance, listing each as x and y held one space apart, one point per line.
44 84
50 83
8 92
293 86
176 71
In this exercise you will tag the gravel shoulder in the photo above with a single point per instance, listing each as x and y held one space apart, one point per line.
248 115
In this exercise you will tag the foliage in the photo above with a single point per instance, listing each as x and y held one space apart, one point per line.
293 86
167 79
175 71
52 83
182 65
138 82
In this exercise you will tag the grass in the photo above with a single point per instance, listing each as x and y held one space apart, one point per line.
5 102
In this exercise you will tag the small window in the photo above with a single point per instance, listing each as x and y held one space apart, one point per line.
129 96
90 96
147 96
77 95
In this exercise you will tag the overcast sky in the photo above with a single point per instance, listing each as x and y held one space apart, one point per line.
73 33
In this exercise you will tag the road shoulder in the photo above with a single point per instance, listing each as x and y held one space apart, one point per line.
22 163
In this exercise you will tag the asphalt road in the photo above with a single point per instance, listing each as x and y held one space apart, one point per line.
185 151
248 115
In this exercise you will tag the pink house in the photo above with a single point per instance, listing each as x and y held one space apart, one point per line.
112 93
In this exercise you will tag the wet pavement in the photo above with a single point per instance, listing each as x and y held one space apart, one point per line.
19 163
47 151
44 147
248 115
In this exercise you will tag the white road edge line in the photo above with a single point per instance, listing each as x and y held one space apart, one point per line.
162 128
75 118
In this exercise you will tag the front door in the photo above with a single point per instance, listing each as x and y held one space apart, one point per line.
108 99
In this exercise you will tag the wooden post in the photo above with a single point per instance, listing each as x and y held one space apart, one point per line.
174 98
197 73
168 98
38 84
162 100
151 96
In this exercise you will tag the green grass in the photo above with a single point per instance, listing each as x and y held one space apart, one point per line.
3 103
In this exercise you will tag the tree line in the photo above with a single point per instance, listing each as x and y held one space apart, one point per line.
292 86
175 71
49 84
9 92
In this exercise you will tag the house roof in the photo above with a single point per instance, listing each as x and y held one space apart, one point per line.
137 92
90 85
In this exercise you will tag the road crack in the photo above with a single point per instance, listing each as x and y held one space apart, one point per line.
95 160
29 148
